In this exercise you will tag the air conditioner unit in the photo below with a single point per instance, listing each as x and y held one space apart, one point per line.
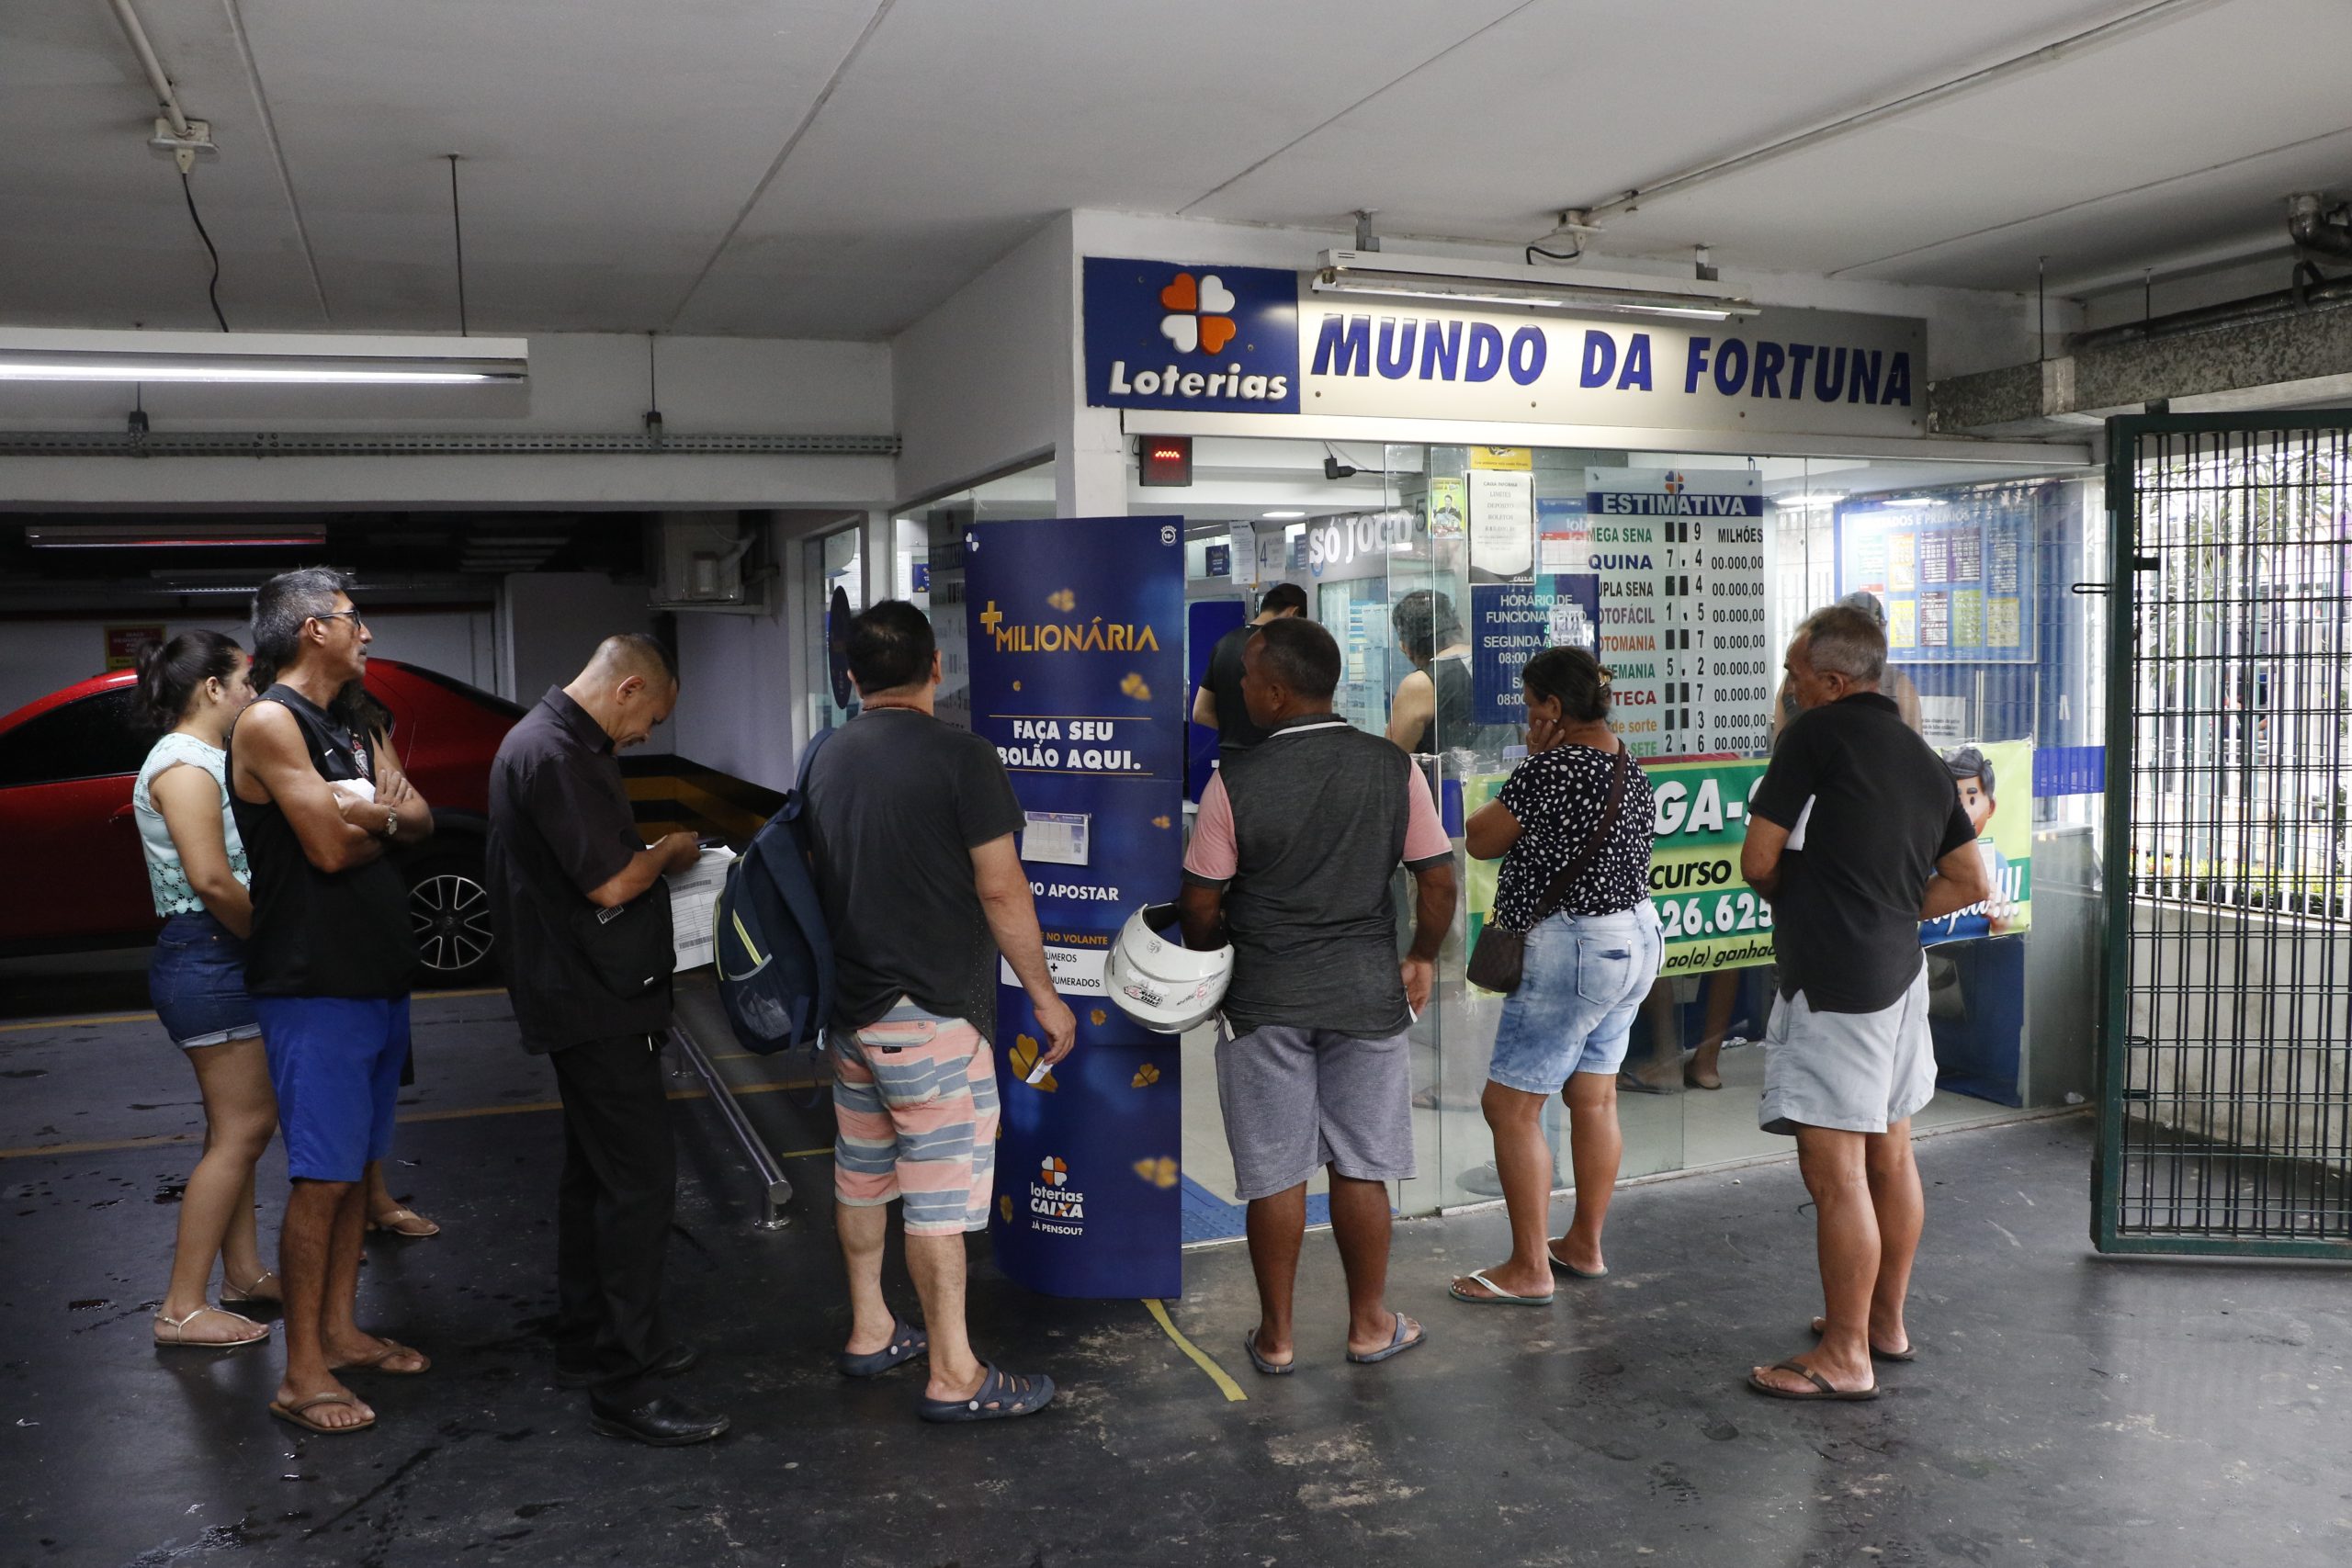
705 565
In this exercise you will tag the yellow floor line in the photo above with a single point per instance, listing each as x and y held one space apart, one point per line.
463 1114
1217 1374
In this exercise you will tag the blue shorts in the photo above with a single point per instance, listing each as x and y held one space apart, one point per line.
1579 990
335 1063
197 980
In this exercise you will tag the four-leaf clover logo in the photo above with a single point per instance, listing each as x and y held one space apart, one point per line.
1199 319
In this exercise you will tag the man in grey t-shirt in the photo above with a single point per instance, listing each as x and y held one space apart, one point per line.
913 841
1290 860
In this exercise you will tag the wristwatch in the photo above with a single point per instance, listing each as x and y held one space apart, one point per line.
391 823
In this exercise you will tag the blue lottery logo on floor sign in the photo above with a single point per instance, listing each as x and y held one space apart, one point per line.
1162 335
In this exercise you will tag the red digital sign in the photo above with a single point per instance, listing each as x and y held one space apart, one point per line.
1163 461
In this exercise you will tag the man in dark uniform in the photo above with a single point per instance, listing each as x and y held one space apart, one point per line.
584 915
1218 702
328 966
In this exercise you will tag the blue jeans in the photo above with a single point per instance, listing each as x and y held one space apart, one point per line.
197 980
1580 988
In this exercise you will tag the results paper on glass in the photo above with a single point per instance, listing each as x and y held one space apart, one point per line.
694 903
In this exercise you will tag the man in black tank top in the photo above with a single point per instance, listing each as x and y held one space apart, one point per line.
328 966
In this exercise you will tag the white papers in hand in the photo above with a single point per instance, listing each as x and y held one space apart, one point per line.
694 901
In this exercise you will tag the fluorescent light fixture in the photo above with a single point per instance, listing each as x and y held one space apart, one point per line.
1920 500
51 354
1471 283
173 535
1809 501
1281 516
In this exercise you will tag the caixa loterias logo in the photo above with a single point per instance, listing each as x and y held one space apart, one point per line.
1209 338
1055 1206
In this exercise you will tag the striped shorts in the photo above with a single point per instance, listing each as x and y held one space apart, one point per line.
915 1106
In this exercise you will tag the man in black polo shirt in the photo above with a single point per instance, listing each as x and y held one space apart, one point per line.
584 920
1218 702
1856 835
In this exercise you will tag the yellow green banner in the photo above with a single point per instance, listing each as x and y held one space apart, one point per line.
1713 920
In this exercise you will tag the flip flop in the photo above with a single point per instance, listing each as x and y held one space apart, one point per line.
906 1342
174 1330
1565 1267
297 1414
1876 1354
1397 1343
1824 1391
995 1391
404 1221
1498 1296
1272 1369
1632 1083
375 1363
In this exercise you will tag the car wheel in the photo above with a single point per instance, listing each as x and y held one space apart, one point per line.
448 908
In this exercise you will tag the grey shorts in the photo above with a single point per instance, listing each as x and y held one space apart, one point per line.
1295 1100
1857 1072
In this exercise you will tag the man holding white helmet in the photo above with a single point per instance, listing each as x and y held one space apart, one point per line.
1290 861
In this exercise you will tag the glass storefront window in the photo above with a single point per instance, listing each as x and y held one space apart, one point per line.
833 587
1437 568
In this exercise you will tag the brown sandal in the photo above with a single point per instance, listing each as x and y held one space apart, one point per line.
403 1222
178 1330
1821 1388
375 1363
297 1414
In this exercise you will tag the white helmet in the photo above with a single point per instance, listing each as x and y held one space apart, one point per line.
1162 984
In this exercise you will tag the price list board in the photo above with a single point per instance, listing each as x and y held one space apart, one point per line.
1956 572
1684 560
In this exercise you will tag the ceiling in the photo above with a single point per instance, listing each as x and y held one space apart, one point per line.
834 168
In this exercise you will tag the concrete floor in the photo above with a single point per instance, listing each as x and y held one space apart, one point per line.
2065 1409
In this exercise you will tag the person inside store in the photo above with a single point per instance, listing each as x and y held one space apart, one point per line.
914 845
193 688
1217 703
363 715
1572 828
1855 835
1291 863
578 898
1434 703
328 966
1899 687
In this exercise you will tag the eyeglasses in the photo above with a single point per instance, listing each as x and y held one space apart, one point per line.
356 621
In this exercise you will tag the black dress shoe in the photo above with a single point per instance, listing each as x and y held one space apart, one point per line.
660 1422
668 1364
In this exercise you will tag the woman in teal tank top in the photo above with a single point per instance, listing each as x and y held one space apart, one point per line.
194 687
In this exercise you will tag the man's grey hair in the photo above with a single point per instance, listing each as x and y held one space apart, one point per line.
1845 642
286 602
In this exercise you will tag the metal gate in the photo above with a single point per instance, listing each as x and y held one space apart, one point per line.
2226 1061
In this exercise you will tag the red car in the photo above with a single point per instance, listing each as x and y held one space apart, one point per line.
68 760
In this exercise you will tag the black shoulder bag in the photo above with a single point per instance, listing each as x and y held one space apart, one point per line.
1497 963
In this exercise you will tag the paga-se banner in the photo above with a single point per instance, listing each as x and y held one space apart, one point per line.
1077 629
1712 920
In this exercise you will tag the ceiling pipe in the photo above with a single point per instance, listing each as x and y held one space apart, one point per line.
168 97
2090 38
2231 313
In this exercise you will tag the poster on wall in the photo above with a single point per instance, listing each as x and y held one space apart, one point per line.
1077 671
123 644
1511 623
1449 508
1502 525
1684 564
1957 573
1712 920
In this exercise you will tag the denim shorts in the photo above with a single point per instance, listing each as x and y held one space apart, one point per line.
197 981
1581 986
